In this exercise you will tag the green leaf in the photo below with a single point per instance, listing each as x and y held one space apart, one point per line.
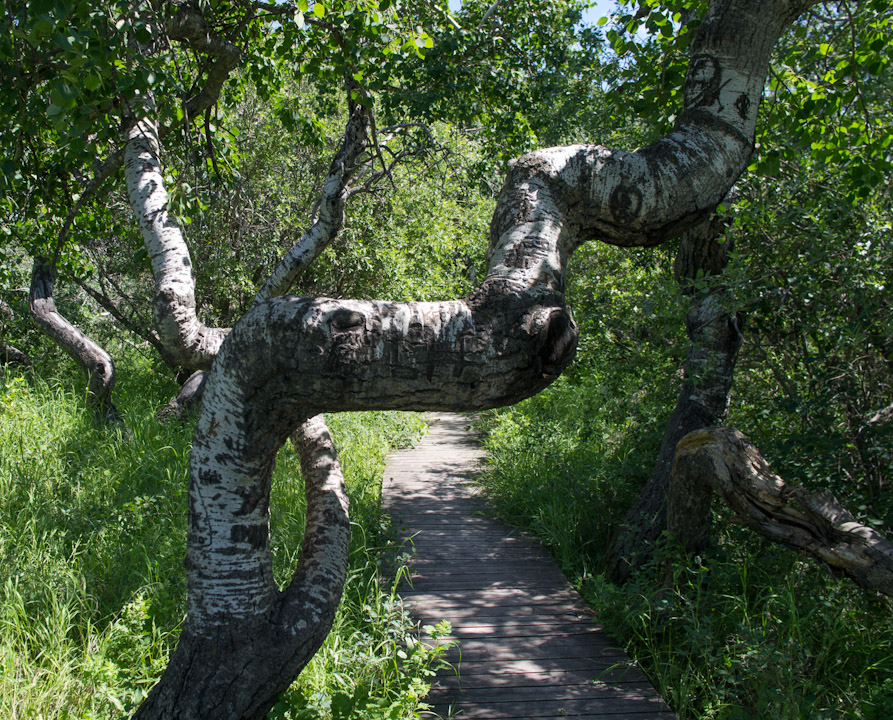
63 95
41 28
63 41
319 9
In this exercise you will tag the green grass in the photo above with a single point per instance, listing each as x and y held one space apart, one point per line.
747 631
92 540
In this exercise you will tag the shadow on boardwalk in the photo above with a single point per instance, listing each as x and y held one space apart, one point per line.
528 646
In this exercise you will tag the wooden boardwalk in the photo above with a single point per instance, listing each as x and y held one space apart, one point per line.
528 646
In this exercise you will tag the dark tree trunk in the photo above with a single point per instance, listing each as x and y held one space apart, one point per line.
723 460
95 362
703 400
188 400
10 356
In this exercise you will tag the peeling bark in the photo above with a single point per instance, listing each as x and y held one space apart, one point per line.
722 460
95 362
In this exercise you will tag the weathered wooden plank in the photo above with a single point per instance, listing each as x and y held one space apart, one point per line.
612 674
616 708
539 707
598 691
471 583
506 596
522 629
539 567
614 669
473 615
509 648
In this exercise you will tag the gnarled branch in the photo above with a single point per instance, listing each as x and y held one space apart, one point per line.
96 363
724 461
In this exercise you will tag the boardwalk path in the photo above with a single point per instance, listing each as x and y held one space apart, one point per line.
529 647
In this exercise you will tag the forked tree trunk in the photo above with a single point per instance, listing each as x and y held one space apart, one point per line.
96 363
715 338
722 460
244 641
290 358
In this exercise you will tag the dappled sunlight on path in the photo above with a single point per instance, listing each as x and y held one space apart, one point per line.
528 646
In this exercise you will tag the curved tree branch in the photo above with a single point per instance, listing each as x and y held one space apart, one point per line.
724 461
189 342
189 26
96 362
330 217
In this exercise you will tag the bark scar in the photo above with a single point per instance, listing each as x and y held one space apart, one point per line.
560 344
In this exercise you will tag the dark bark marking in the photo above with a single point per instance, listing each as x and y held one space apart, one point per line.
252 497
209 477
704 81
255 535
701 119
742 105
346 320
560 344
626 203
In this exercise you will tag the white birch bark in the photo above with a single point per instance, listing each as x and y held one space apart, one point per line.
189 342
330 215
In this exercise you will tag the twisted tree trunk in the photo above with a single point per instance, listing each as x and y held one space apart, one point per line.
96 363
290 358
724 461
